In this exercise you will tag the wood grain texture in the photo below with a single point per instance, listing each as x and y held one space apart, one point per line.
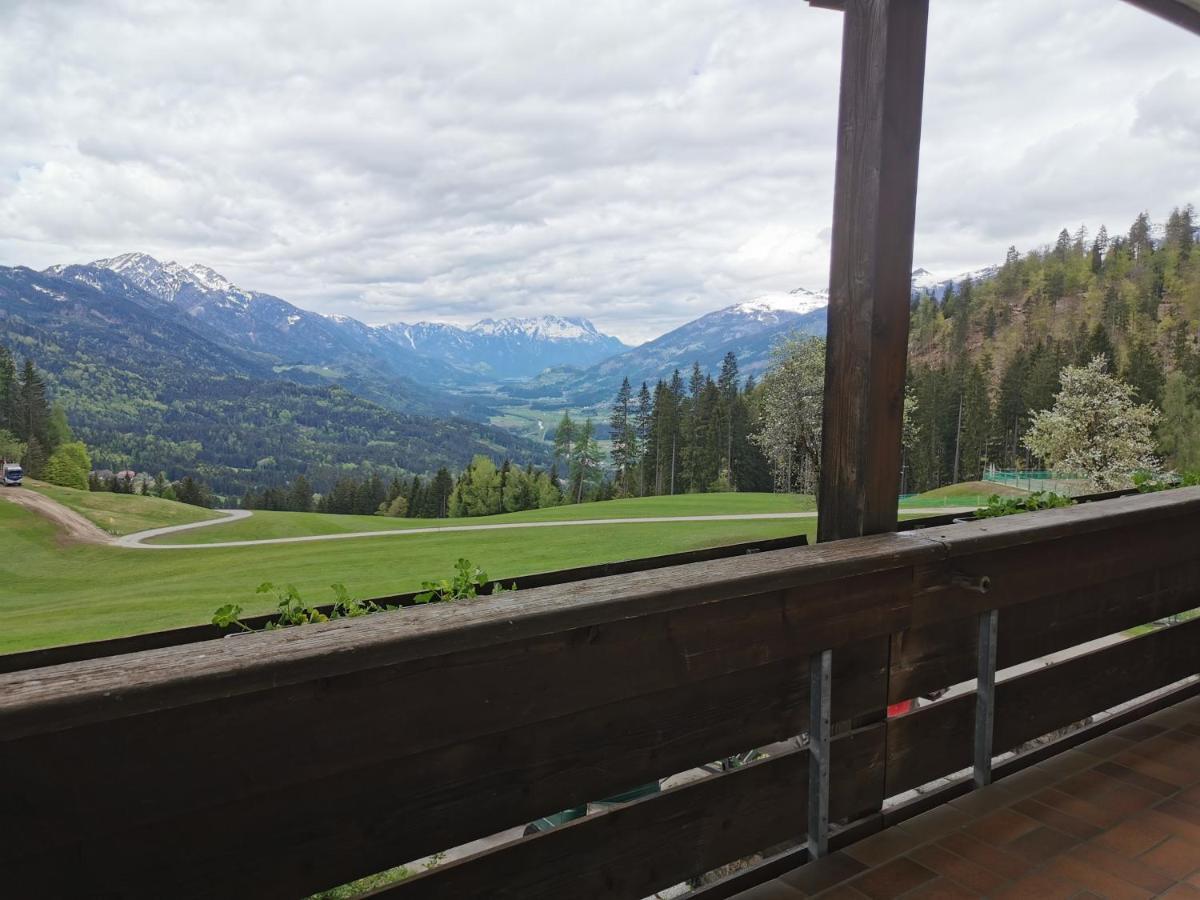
631 851
937 656
935 741
879 137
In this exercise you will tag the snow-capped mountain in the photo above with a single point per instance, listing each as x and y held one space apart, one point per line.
925 282
509 348
750 329
434 353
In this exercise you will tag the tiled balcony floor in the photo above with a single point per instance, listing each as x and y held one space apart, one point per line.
1117 817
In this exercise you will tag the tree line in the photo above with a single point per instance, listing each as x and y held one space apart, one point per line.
35 433
988 356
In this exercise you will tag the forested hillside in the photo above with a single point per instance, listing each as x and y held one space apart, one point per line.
987 355
144 390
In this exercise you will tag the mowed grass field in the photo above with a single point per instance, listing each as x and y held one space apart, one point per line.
51 593
54 592
123 513
264 524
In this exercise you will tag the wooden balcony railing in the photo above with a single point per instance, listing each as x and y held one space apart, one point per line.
282 763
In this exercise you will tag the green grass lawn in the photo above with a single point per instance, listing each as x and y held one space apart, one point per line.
966 493
123 513
265 524
51 594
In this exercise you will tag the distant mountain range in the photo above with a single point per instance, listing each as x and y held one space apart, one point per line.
163 381
134 346
749 329
432 353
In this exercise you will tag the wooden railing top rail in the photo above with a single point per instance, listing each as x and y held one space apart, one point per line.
64 696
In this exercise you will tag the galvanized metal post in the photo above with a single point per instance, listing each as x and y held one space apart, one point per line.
820 680
985 697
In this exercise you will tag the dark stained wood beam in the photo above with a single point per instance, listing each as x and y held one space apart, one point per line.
874 210
1184 13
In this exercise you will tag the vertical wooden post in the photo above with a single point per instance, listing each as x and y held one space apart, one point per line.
985 697
874 210
820 682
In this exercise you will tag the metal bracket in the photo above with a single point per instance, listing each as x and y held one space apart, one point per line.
820 680
985 697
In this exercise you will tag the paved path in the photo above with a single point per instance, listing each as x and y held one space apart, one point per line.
135 540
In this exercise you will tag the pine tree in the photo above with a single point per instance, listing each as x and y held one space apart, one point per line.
564 438
8 391
1144 373
300 495
624 449
32 409
643 420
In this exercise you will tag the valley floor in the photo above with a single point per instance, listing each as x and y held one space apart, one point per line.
55 590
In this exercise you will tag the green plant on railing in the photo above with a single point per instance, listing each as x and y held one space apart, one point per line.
1010 506
1150 482
466 583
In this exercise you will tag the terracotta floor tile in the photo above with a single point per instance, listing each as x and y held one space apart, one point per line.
1126 799
1028 781
882 846
822 874
1181 809
1086 784
962 870
842 892
1174 856
1170 824
936 822
1001 826
1173 753
1001 862
941 889
984 800
770 890
1191 795
1135 872
1042 844
1183 735
1183 891
1105 746
1133 836
1133 759
1056 818
1067 763
1080 809
1183 818
1140 730
1129 776
1103 883
1041 885
893 879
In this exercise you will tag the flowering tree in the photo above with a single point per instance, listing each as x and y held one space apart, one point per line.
1096 428
792 402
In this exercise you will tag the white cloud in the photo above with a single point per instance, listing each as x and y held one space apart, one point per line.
635 163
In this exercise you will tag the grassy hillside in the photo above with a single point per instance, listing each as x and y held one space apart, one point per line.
264 524
124 513
51 594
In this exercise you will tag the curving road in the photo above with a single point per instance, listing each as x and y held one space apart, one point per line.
80 528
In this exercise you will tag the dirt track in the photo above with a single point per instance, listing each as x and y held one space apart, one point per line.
73 528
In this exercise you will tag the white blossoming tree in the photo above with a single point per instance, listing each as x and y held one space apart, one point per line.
1096 428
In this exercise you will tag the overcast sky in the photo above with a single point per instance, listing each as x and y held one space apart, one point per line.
638 163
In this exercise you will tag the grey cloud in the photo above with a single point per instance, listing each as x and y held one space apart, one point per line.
636 163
